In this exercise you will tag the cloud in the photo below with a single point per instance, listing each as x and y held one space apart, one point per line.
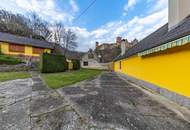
46 9
158 5
138 27
130 4
74 6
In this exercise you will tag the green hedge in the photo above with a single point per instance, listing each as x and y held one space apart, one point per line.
51 63
76 64
8 60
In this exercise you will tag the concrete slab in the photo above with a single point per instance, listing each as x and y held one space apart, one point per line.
112 103
105 103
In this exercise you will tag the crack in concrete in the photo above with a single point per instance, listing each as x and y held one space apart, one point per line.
16 101
50 111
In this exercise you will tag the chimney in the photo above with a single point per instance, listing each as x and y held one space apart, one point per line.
118 40
97 44
178 10
123 46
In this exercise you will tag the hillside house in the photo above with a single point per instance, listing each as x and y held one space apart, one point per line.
103 55
91 60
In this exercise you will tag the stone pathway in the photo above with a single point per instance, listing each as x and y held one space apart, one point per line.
105 103
49 110
28 104
15 99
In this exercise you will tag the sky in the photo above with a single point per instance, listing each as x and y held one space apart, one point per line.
103 22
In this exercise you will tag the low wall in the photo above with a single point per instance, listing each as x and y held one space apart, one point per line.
20 67
102 66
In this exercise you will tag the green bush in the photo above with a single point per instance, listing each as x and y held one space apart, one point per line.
76 64
8 60
51 63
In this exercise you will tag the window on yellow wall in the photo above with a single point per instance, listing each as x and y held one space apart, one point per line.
16 48
36 50
120 65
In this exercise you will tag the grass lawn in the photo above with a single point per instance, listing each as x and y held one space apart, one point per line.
5 76
58 80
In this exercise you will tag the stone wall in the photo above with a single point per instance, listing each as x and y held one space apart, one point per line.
20 67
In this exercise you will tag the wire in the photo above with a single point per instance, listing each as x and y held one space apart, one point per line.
90 5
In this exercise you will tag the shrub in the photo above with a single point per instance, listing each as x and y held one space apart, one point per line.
76 64
8 60
51 63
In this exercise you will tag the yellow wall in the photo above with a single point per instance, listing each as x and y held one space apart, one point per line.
28 50
70 65
47 50
169 69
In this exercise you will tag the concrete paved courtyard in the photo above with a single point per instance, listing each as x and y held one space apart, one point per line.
104 103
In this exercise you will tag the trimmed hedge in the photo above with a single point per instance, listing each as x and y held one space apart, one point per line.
8 60
76 64
51 63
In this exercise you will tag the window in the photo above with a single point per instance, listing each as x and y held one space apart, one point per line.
85 63
120 65
36 50
16 48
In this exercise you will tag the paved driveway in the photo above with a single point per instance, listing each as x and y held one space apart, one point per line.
110 102
105 103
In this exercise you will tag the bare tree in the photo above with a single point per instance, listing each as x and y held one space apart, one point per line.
65 38
70 40
58 31
32 26
15 24
39 26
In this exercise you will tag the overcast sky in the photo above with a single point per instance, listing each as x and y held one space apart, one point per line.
105 20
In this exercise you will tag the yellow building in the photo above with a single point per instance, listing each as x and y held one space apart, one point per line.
161 61
22 46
